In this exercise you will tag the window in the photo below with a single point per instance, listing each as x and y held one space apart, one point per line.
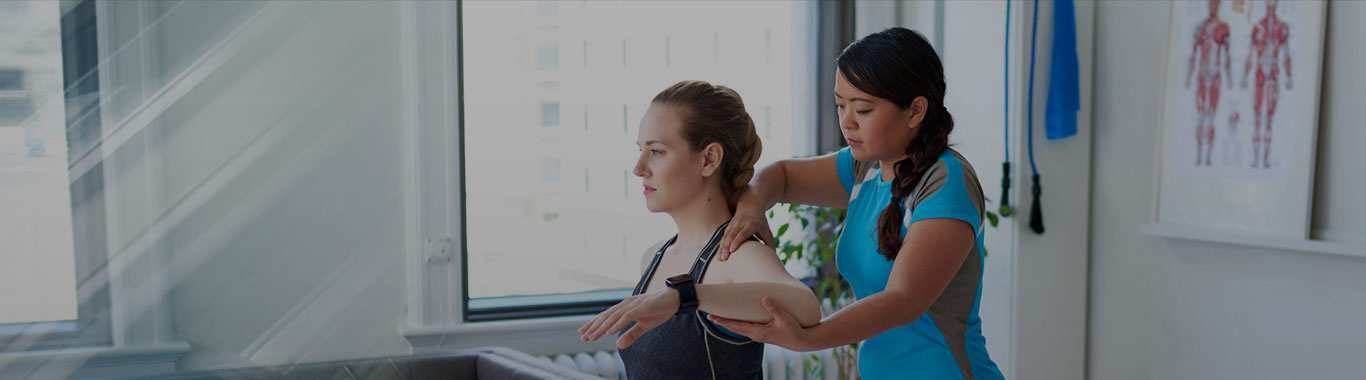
550 115
550 170
85 199
15 106
547 7
557 236
49 282
549 57
11 79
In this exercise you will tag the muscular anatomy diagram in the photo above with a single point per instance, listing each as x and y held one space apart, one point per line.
1210 53
1270 39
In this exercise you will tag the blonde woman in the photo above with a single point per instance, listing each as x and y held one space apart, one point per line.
697 152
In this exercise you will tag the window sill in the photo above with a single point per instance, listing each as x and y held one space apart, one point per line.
93 362
539 336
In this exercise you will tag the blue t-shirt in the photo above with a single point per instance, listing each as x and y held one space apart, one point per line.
946 342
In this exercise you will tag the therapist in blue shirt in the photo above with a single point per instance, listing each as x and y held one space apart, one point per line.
911 248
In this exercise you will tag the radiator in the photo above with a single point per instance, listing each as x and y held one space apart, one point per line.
779 364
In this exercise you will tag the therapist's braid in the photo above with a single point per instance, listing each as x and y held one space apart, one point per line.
900 65
922 153
716 114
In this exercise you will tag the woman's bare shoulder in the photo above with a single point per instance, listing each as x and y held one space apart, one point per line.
753 261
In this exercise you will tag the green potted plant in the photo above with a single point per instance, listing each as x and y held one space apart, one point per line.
821 227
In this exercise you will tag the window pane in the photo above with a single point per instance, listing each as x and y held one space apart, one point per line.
11 79
550 115
550 170
550 57
37 261
557 210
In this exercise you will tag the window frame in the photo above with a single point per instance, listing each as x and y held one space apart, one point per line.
124 320
435 316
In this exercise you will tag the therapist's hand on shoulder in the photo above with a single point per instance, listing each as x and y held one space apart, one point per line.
746 222
783 330
648 311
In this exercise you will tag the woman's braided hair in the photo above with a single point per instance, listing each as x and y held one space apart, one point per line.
716 114
899 65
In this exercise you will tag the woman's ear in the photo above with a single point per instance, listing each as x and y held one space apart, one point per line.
711 158
919 107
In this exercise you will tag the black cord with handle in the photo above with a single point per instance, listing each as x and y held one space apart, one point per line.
1035 212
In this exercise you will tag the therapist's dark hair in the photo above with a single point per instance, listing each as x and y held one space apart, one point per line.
899 65
716 114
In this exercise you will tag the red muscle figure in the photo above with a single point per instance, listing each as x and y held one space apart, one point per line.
1212 50
1270 38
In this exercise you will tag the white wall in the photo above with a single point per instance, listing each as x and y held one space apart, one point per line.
1171 309
1051 276
1339 213
1034 287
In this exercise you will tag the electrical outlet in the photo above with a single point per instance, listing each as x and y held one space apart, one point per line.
440 250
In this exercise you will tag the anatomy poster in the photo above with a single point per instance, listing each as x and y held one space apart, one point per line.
1239 111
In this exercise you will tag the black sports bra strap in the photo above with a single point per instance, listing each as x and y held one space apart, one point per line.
699 267
654 263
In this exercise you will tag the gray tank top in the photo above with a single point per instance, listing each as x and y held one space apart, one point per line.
689 346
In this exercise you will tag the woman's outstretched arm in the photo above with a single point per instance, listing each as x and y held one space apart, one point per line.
733 289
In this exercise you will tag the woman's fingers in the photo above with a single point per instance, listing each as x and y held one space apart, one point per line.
621 323
589 334
612 326
726 238
588 327
631 336
606 320
766 236
639 330
592 324
780 316
740 230
735 235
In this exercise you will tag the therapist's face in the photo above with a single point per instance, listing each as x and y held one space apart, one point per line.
672 172
875 128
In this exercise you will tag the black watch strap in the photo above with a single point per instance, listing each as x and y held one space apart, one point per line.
687 293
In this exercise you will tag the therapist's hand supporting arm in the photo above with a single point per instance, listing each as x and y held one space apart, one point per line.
930 255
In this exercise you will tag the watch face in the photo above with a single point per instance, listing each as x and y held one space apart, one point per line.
679 279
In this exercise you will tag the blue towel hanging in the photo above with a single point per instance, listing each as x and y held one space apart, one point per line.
1064 89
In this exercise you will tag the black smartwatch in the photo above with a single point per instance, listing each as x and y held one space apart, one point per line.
687 295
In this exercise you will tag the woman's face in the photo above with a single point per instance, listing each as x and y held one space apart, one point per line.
673 174
875 128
